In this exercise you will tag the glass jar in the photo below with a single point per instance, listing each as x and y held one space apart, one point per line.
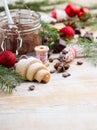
22 36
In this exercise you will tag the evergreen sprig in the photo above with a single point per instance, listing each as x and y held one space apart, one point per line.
9 79
48 34
89 48
91 22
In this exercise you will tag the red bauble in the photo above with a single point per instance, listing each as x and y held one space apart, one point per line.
54 15
83 13
7 59
71 10
67 32
85 10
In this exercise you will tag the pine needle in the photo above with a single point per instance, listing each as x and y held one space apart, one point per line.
89 47
9 79
48 34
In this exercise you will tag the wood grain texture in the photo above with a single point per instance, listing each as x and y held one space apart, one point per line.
64 103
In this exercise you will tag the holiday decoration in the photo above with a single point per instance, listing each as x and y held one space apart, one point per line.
47 18
70 53
67 32
83 13
59 15
32 69
9 79
61 66
7 59
71 10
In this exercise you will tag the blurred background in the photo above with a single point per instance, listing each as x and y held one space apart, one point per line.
80 2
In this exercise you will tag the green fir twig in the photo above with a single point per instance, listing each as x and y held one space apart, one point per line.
49 35
91 22
9 79
89 47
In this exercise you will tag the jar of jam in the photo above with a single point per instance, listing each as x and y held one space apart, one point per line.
22 36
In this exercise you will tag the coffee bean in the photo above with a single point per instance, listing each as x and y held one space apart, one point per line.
66 66
79 62
65 75
57 64
31 88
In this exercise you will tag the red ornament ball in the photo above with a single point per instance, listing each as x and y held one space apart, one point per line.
54 14
67 32
71 10
84 13
7 59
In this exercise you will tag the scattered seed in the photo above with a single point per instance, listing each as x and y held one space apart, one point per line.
79 62
31 88
66 66
60 69
56 65
65 75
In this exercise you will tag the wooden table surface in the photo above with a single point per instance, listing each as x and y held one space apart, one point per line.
62 104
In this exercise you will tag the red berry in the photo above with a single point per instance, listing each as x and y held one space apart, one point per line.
7 59
67 32
83 13
71 10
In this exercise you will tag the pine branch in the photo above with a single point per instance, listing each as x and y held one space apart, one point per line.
91 22
89 47
48 34
9 79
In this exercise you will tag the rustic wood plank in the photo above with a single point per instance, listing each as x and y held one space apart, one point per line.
64 103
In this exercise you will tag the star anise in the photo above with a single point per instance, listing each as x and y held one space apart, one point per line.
61 66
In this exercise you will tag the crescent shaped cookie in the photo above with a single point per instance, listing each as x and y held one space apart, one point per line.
42 76
32 69
22 66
